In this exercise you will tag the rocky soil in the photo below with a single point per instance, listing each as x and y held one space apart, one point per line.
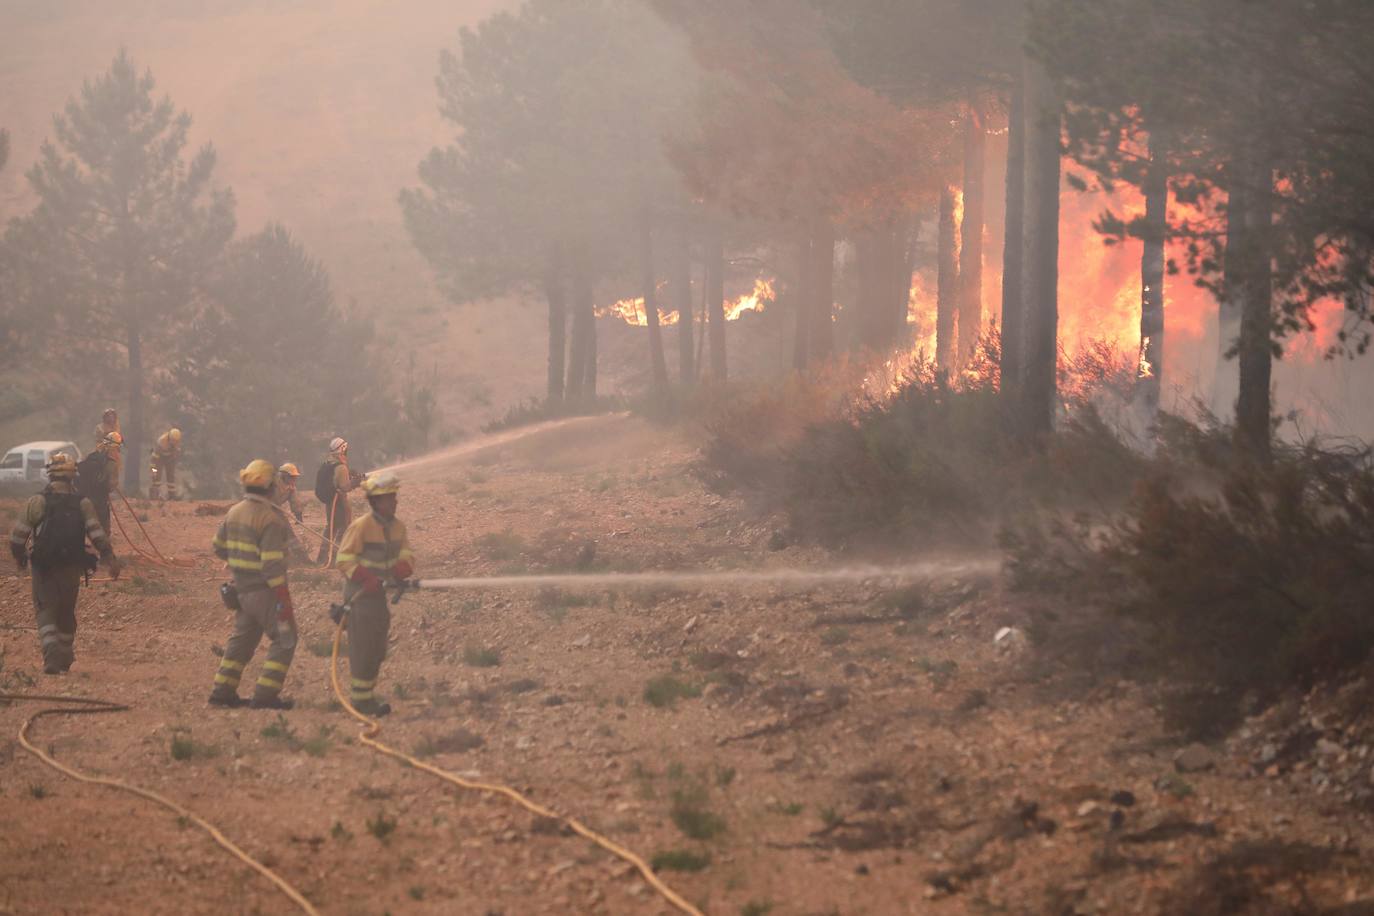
857 748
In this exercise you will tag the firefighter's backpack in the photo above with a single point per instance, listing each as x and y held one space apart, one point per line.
93 477
61 536
324 482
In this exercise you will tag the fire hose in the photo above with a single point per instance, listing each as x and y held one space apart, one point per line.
159 558
371 728
87 706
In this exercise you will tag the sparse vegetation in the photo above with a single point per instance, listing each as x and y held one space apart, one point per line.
183 747
680 860
316 746
500 546
664 691
454 742
381 827
481 657
692 815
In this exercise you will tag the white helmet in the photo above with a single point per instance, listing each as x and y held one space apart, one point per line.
338 444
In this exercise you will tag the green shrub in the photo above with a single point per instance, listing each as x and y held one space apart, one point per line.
664 691
481 657
680 860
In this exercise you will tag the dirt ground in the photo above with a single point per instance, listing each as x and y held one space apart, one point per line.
849 749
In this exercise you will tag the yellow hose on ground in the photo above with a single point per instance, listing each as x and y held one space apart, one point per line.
98 706
372 728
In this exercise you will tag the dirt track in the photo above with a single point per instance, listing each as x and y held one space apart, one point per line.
849 751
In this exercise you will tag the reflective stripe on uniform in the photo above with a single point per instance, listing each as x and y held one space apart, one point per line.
230 663
265 681
228 677
269 555
274 666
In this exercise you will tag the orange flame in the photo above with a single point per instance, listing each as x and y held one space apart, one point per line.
631 311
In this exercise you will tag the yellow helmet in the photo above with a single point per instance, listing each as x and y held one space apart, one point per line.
61 467
380 483
174 434
290 470
258 474
112 440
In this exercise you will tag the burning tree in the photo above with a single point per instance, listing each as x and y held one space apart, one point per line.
1263 106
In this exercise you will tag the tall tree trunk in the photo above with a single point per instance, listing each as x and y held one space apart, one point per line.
947 282
821 336
583 320
1150 366
1225 384
1253 293
133 432
1013 338
680 288
715 302
589 357
556 294
658 367
906 241
801 297
971 236
1040 269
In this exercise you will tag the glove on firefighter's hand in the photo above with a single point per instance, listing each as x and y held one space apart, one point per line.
21 556
285 610
367 579
402 570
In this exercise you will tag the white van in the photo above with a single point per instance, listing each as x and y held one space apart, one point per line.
26 462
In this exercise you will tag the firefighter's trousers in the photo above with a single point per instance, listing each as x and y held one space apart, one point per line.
369 625
54 602
257 617
338 517
164 470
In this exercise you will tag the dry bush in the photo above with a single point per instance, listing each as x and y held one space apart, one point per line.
1245 580
898 452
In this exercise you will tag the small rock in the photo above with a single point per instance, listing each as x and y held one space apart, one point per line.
524 743
690 625
1327 748
1269 753
1088 807
1009 641
1195 758
582 641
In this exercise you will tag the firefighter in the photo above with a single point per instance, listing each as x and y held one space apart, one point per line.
333 482
252 539
166 454
286 494
60 521
109 423
98 476
374 549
